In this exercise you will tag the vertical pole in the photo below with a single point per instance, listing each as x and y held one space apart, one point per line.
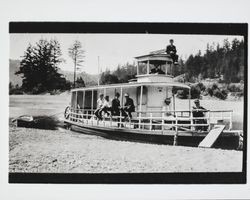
162 121
137 68
230 123
77 109
140 110
121 106
189 101
98 71
166 68
176 136
150 125
75 73
208 117
83 101
92 102
148 67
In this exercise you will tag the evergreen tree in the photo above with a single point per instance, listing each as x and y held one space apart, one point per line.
39 67
77 55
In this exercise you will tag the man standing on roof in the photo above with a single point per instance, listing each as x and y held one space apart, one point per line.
171 50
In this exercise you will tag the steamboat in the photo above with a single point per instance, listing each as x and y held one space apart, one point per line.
156 118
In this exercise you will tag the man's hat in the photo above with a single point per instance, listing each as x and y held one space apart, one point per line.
126 95
196 101
117 94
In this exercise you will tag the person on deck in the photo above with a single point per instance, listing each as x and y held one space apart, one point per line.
166 108
171 50
115 108
105 107
199 112
157 70
100 102
129 107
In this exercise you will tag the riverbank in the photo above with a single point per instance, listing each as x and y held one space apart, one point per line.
64 151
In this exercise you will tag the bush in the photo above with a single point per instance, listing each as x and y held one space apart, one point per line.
195 92
201 86
210 91
234 88
180 92
15 89
221 94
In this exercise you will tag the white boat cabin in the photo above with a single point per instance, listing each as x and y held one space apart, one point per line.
149 91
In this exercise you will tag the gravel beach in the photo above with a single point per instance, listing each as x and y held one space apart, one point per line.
64 151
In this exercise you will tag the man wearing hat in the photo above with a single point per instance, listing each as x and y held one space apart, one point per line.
115 108
129 106
171 50
199 111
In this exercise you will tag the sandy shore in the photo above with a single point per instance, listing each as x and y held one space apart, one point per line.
33 150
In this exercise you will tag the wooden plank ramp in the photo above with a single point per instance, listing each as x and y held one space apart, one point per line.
212 136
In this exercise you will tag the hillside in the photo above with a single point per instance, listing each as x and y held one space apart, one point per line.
14 65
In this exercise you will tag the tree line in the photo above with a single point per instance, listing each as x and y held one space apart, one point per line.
39 68
225 63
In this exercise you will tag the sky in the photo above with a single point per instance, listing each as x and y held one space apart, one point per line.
115 49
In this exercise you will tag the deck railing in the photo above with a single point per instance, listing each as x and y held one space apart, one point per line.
147 120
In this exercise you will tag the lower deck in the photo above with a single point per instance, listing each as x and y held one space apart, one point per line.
169 135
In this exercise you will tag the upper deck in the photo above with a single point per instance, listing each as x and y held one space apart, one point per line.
147 63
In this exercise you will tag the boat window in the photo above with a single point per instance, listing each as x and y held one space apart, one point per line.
144 95
80 99
88 99
73 100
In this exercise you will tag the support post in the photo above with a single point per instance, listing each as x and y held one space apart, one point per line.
140 108
92 103
121 106
166 67
137 68
148 67
230 123
189 101
176 136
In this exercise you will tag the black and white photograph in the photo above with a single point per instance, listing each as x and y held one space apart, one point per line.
126 103
124 100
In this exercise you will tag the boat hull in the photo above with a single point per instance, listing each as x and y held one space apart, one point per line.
227 140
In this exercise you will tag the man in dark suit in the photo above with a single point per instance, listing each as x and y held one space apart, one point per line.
129 107
171 50
199 112
115 108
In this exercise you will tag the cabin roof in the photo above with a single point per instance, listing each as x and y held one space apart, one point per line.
160 57
134 84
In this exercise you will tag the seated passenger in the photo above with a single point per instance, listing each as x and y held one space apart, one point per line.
166 108
129 107
105 107
100 102
171 50
199 112
115 108
157 70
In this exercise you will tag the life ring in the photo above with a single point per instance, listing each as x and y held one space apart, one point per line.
167 101
67 112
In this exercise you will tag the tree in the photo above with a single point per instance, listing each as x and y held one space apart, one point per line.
77 55
80 82
39 67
